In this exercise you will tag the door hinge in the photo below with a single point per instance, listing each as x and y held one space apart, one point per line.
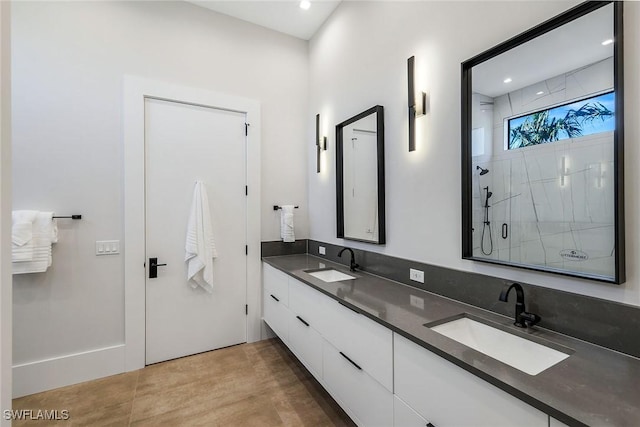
246 309
246 249
246 190
246 129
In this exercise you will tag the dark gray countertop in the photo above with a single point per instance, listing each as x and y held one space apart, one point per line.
594 386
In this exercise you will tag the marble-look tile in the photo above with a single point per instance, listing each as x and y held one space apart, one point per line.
591 79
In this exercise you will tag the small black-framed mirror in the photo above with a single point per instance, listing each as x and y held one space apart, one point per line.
360 177
542 148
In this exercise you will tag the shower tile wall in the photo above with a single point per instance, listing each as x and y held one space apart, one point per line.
549 211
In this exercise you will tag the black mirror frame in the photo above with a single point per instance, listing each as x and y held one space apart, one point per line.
618 143
379 111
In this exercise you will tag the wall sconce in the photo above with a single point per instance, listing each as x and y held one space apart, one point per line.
565 170
415 110
598 169
321 143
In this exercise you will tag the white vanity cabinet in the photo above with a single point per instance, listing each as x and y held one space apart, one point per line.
367 402
448 396
377 376
275 297
405 416
349 354
304 339
361 339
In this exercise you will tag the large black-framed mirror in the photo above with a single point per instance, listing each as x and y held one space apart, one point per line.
360 177
542 148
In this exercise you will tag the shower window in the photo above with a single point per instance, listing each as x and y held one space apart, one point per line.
587 116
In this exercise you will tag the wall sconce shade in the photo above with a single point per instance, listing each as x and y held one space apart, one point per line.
321 143
415 110
565 170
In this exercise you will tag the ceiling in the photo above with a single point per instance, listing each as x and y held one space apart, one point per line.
284 16
569 47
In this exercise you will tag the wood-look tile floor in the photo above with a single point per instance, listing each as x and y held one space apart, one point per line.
259 384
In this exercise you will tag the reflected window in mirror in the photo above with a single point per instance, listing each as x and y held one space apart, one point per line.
542 148
360 177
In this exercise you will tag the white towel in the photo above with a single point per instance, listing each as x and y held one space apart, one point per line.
22 235
286 224
200 247
44 233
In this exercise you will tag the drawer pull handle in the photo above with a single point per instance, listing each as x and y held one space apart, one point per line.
275 298
351 361
345 305
302 320
430 425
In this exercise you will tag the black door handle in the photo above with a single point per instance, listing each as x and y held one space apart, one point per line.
153 267
302 320
275 298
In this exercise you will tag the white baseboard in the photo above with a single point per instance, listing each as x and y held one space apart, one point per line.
34 377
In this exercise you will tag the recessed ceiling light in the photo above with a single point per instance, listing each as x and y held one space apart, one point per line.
607 41
305 4
539 93
507 80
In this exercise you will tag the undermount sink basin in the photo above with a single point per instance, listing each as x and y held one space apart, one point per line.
329 275
520 353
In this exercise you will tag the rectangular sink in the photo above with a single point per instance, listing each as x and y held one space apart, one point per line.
520 353
329 275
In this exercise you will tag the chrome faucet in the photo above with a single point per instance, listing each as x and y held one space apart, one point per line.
522 318
352 264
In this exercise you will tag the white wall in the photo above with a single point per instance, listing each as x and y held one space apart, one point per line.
358 59
5 212
69 59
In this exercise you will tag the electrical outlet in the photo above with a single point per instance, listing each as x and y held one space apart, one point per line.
416 301
322 250
416 275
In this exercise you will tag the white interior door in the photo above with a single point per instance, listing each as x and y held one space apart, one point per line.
185 143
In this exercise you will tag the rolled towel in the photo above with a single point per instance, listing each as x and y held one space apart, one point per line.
287 231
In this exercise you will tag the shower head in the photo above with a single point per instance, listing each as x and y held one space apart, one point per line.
483 171
489 193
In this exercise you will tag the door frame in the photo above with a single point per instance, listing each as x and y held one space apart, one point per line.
136 90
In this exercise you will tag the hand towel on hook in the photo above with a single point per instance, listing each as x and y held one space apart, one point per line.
200 247
287 231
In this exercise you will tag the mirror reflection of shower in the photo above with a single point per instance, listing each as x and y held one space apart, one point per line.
486 245
483 171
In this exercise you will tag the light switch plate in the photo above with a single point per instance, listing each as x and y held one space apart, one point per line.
322 250
107 247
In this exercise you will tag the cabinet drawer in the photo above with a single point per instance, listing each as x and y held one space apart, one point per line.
306 343
362 338
404 416
276 314
276 282
363 398
448 396
307 303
